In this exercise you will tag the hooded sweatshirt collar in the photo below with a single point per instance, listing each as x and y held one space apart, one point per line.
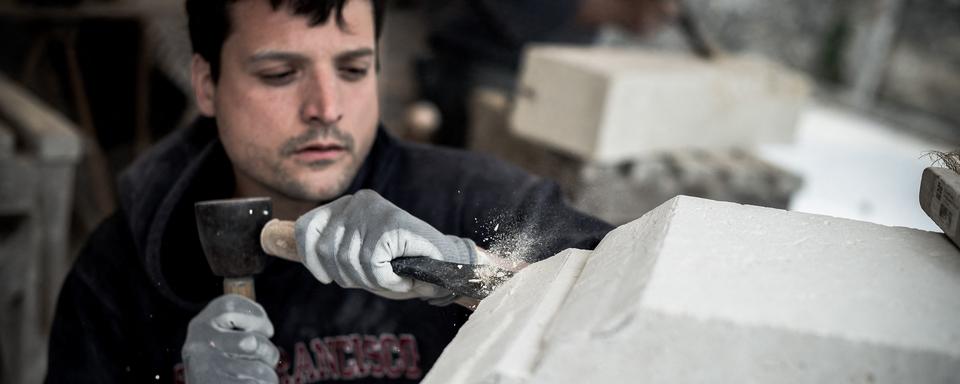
157 194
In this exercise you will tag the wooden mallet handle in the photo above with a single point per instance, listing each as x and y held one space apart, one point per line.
242 286
278 239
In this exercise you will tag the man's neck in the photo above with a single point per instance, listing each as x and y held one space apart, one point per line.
284 208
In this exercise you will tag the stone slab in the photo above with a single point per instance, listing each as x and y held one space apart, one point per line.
501 339
704 291
606 104
940 199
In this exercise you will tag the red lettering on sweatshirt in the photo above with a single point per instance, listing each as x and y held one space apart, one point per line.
345 358
352 357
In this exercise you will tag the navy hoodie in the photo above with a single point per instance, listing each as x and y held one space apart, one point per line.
123 311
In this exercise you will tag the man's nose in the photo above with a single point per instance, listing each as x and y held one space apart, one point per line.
321 100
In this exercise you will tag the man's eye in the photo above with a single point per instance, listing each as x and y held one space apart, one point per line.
277 78
353 73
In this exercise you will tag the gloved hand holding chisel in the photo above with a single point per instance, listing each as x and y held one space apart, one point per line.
363 241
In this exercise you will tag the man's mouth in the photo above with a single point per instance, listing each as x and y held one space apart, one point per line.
319 152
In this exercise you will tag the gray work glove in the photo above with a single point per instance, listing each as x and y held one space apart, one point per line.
229 342
351 241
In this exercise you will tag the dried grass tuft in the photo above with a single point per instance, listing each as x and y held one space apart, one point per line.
950 160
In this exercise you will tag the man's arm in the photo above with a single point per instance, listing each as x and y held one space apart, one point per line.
351 241
524 21
637 16
523 218
495 31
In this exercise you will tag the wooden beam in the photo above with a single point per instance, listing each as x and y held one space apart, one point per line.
91 11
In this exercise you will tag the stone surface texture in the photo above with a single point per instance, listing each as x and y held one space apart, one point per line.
614 104
704 291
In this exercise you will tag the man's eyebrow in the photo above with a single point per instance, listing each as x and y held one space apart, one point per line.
288 56
276 56
355 54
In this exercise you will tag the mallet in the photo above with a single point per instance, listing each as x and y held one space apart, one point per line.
230 235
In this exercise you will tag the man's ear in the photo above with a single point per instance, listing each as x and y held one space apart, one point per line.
204 90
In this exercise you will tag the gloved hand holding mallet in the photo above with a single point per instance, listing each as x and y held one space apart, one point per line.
229 341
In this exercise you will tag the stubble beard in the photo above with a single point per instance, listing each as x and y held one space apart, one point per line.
286 175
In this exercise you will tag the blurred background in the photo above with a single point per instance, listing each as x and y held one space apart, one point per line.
825 107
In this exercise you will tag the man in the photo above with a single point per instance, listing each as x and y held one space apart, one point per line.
287 90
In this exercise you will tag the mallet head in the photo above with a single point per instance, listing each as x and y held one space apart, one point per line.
230 234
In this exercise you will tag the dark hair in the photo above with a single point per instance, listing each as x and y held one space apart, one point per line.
209 22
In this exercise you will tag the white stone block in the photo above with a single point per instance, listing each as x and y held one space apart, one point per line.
606 105
503 341
702 291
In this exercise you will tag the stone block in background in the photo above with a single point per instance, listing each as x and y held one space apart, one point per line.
607 105
702 291
622 192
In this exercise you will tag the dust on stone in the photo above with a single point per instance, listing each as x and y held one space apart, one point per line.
513 247
489 278
517 245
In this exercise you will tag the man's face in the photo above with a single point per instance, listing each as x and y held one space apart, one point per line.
296 105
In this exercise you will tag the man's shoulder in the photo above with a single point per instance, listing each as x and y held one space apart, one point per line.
109 245
165 159
107 265
455 190
442 163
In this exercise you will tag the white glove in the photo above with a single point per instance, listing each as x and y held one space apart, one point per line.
352 240
229 342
